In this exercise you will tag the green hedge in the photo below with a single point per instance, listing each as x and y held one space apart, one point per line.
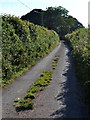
80 44
23 44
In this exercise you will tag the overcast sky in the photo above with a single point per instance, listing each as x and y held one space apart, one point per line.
76 8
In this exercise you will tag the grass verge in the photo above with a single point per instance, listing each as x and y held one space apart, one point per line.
7 82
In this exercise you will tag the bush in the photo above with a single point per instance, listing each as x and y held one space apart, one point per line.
23 44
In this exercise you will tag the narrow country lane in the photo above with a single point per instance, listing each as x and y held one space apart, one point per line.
61 99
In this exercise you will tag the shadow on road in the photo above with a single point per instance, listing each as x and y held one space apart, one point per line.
69 98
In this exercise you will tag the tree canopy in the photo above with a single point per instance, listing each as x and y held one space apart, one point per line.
55 18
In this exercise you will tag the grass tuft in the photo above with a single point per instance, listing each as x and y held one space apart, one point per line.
54 63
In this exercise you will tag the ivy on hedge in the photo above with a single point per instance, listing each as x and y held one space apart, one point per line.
23 44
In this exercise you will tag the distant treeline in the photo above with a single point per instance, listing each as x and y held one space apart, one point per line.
80 44
55 18
23 44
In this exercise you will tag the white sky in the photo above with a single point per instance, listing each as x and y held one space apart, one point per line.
76 8
89 13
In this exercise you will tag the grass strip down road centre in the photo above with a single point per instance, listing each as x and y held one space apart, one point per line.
26 102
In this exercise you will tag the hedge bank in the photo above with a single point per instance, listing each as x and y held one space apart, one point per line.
80 44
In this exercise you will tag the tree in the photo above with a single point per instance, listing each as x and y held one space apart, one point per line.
55 18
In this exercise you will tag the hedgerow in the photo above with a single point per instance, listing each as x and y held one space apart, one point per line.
23 44
79 41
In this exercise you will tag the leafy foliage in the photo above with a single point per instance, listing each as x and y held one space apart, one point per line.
55 18
23 44
80 44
